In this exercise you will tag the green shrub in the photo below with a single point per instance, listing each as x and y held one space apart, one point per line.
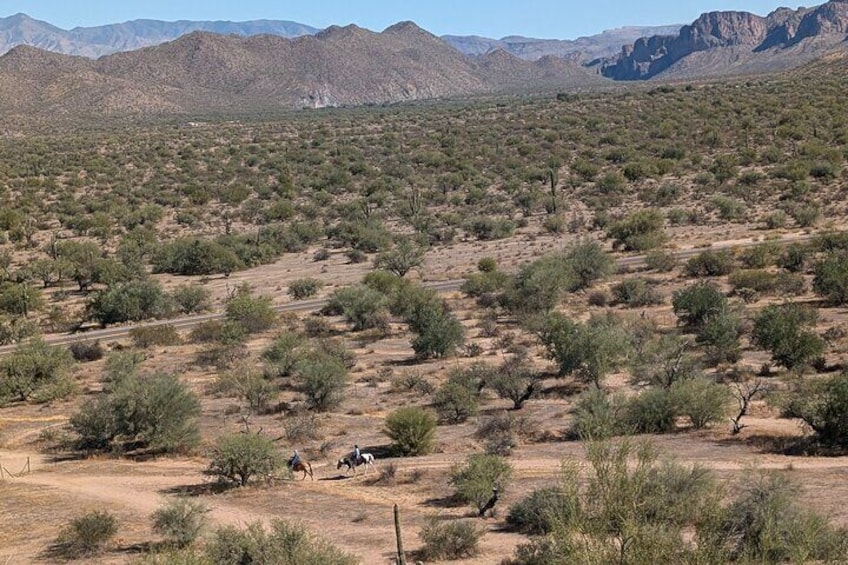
412 431
653 411
449 540
629 509
785 331
805 215
86 535
86 351
282 355
252 313
756 280
180 521
776 220
284 544
502 431
661 261
32 368
18 299
663 361
766 524
720 333
639 231
455 402
131 301
515 380
300 289
761 255
831 278
728 208
540 511
362 307
710 264
476 479
488 228
588 350
249 385
239 458
587 262
195 256
693 305
159 335
793 258
823 406
702 400
192 299
156 412
636 293
597 415
438 332
322 378
402 258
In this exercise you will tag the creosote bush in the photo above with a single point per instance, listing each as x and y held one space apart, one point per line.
823 406
450 539
180 521
476 479
636 509
160 335
284 544
240 458
300 289
86 535
412 431
456 399
152 412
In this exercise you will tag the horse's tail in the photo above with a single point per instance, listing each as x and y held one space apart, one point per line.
309 466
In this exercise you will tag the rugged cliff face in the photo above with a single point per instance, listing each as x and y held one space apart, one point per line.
783 28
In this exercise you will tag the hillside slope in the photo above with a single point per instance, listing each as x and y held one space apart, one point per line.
203 72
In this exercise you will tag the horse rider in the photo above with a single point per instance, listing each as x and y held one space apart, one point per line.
357 455
294 460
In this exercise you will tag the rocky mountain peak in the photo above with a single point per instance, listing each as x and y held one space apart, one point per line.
781 29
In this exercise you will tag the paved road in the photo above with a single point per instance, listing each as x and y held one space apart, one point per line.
633 261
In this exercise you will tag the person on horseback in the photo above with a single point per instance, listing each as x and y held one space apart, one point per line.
357 455
294 460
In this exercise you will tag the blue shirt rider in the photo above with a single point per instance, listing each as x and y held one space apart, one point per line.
357 455
295 459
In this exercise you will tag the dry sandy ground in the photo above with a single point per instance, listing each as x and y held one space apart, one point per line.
354 512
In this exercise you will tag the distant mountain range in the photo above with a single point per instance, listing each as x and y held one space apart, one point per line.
94 42
204 72
54 74
583 49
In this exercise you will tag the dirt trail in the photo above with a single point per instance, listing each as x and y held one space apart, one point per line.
140 488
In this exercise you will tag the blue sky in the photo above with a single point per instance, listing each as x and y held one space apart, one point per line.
560 19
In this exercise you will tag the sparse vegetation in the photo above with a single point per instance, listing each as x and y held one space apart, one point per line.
534 201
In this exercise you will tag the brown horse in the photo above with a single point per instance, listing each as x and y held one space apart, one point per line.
303 467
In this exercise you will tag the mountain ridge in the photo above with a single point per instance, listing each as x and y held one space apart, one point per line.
780 40
98 41
203 72
582 49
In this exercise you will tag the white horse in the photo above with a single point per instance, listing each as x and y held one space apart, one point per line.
366 459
